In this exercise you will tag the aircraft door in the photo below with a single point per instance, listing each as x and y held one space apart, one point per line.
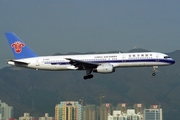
37 62
123 58
157 58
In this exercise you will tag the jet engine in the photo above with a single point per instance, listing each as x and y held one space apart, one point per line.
105 68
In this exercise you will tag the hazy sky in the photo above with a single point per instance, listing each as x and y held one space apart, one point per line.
51 26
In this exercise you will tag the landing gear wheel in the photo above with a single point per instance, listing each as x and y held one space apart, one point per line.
85 77
153 74
88 77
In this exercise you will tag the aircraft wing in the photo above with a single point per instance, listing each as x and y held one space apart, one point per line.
82 64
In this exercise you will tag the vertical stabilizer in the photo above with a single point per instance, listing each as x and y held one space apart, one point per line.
19 48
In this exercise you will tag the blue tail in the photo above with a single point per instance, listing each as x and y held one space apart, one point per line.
20 50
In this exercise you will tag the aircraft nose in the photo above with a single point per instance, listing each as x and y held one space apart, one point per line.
173 61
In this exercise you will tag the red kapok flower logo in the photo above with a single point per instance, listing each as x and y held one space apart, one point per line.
18 46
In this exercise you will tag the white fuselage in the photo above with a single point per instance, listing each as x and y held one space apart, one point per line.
142 59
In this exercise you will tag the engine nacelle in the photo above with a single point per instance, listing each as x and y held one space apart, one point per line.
105 68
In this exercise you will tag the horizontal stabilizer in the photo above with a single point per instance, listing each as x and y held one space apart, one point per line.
14 62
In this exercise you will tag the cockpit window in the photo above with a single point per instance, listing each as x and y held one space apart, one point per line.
167 57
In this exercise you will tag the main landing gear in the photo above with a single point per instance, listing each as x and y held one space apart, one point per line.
89 75
154 70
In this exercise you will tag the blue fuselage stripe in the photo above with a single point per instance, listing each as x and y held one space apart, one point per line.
168 61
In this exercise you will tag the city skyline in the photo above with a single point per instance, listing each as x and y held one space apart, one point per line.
106 111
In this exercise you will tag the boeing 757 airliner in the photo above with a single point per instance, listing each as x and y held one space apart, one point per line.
99 63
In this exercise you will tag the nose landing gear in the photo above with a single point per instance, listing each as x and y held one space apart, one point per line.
154 70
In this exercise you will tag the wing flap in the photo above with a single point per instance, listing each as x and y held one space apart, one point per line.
83 64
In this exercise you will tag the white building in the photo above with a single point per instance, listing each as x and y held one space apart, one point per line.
5 111
118 115
131 115
46 117
26 117
152 114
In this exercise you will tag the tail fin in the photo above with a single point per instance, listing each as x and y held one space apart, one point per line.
20 50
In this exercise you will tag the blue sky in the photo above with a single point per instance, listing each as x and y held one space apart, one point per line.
51 26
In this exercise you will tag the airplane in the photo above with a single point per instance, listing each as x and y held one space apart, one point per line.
97 63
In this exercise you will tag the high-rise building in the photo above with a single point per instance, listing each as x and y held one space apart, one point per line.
139 108
104 110
153 114
68 110
46 117
6 111
89 112
122 107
